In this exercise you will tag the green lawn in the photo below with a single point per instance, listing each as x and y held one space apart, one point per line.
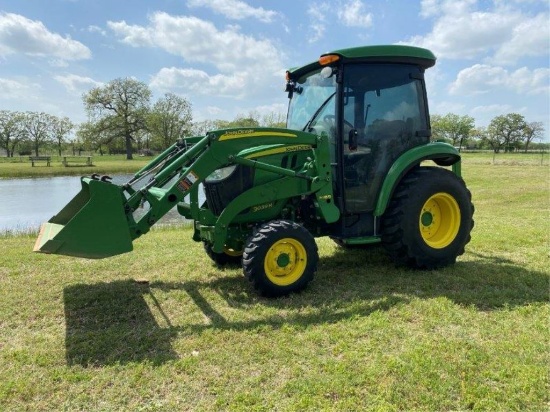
117 164
19 167
81 334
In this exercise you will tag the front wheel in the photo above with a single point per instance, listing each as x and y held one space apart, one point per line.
279 258
429 220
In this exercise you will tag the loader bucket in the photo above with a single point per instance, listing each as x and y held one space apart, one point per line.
92 225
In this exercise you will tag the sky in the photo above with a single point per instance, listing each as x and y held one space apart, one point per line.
229 57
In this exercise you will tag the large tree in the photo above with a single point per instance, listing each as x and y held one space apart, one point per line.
38 127
12 130
452 127
60 129
205 126
532 132
506 131
274 119
170 119
119 109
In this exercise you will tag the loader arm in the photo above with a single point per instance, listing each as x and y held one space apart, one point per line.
103 219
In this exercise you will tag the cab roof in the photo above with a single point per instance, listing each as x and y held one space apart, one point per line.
375 54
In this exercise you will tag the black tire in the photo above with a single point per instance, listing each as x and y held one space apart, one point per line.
429 219
228 257
279 258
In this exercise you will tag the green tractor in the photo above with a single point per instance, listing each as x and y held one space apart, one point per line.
350 165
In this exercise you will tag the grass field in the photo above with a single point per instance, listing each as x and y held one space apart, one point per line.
116 164
19 167
91 335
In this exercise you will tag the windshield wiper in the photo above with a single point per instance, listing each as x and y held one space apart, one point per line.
310 121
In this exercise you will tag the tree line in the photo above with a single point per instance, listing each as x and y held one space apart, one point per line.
31 131
509 132
122 119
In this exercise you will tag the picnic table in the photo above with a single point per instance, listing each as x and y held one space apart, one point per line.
35 159
87 160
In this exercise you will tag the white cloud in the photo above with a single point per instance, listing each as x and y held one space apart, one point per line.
12 89
492 109
353 13
239 65
58 63
466 36
465 30
318 21
483 78
19 34
430 8
274 108
97 29
529 38
199 82
444 107
235 9
214 110
198 40
75 83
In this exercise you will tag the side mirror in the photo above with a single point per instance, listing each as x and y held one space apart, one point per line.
352 140
291 87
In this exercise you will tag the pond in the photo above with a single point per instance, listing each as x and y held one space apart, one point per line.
27 203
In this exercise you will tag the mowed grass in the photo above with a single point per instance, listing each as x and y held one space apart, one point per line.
19 167
81 334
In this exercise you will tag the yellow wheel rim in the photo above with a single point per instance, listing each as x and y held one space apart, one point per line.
285 262
439 220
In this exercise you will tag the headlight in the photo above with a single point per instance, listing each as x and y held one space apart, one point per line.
220 174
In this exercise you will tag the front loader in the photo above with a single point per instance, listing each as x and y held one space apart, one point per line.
351 165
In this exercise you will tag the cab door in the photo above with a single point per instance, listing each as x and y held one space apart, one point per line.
383 115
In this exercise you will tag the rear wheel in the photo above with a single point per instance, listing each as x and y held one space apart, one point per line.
279 258
227 257
429 219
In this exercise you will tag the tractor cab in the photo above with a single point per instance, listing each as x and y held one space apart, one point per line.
373 109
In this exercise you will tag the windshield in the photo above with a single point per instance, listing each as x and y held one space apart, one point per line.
313 100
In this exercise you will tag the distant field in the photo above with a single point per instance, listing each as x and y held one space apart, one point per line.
487 157
85 335
117 164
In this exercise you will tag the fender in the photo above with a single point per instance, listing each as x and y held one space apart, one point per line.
443 154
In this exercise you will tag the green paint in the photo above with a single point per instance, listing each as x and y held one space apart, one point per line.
283 260
426 219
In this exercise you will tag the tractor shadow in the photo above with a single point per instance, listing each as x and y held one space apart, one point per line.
113 323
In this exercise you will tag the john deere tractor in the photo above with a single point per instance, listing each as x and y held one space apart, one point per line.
355 163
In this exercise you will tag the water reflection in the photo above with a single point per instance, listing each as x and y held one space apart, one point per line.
26 203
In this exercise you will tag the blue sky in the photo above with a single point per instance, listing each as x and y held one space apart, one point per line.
228 57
